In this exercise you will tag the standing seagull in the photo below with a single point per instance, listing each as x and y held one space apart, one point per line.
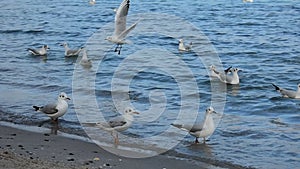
121 32
205 129
118 124
182 47
70 52
39 52
228 78
55 110
289 93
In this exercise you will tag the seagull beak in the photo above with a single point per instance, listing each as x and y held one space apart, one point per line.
214 112
68 98
135 112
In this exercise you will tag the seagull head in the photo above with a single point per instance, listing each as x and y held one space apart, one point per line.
235 70
212 67
299 86
180 40
210 110
109 38
130 111
46 47
64 44
63 96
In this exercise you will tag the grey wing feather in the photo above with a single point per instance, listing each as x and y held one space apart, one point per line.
49 109
125 33
117 121
33 51
120 18
188 127
288 93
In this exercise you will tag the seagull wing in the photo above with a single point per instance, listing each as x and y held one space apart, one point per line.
33 51
120 18
124 33
288 93
49 109
117 122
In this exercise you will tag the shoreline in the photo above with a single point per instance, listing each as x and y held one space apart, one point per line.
29 149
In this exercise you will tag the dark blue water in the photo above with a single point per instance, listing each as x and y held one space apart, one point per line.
258 127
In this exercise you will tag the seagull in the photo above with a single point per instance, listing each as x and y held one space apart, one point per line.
92 2
55 110
121 32
182 47
247 1
228 78
288 93
70 52
212 69
118 124
205 129
84 60
39 52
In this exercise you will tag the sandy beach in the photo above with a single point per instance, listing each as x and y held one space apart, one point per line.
21 149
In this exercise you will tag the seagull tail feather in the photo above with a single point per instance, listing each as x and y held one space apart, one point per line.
36 108
177 125
276 87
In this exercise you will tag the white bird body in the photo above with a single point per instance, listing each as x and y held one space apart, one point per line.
55 110
39 52
121 32
228 78
203 130
71 52
182 47
288 93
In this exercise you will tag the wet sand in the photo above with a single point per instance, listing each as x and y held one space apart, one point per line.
25 149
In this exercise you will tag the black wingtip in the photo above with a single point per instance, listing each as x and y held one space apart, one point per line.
36 108
276 87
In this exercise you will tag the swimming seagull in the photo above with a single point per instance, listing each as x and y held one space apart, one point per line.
121 32
39 52
118 124
84 60
55 110
70 52
212 69
203 130
182 47
288 93
228 78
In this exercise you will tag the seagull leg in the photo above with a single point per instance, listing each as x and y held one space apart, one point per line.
204 140
120 49
196 141
116 49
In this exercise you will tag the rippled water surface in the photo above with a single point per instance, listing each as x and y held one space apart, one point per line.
258 128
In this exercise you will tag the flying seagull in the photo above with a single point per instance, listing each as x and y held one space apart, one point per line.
121 32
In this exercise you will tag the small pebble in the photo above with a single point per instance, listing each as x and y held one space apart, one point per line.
71 154
71 159
96 159
120 159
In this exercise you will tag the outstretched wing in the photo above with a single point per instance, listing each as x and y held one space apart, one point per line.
120 18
